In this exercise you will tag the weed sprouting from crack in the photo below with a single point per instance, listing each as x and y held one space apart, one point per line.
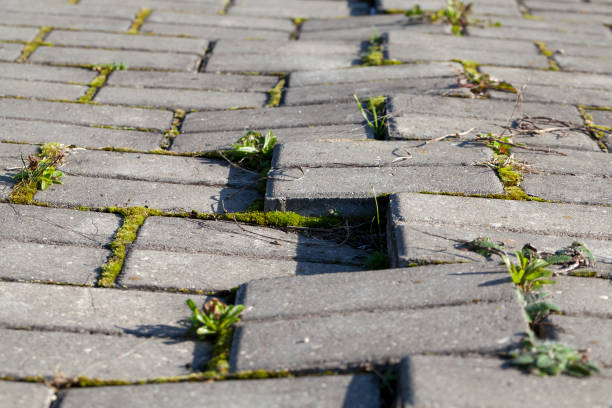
374 56
378 124
456 15
480 83
253 151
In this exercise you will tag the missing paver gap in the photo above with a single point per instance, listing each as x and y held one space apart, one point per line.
298 22
139 20
206 57
31 46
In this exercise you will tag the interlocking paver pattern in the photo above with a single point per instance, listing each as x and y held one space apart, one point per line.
95 272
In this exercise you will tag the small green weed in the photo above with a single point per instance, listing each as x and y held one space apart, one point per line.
378 124
253 150
215 318
455 14
377 260
374 54
40 170
529 274
549 359
485 246
110 67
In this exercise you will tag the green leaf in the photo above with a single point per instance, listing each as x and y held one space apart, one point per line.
191 305
523 359
544 361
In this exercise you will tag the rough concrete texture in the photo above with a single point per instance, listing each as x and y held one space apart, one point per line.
18 394
582 296
46 73
422 378
573 186
43 90
360 391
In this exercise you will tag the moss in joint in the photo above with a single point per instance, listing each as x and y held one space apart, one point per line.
170 134
142 15
133 218
23 193
73 1
544 50
31 46
275 94
596 131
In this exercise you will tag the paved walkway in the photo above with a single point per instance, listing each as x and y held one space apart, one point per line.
95 272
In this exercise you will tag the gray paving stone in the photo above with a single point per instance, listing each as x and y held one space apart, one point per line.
350 190
292 8
429 126
195 142
204 6
132 59
602 118
84 136
476 108
229 238
574 163
127 42
199 80
593 50
381 21
436 42
375 153
365 31
211 272
583 332
537 93
213 33
228 21
10 52
46 73
20 394
520 33
519 77
63 8
16 151
153 167
348 339
360 391
422 378
38 89
24 261
74 22
545 24
345 92
283 117
573 7
600 65
85 114
18 33
363 74
569 188
520 216
27 353
582 296
287 48
57 226
95 310
102 192
417 242
280 63
183 98
411 288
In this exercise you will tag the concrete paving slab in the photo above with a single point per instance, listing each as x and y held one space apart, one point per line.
519 77
344 92
292 8
592 50
154 167
18 33
477 108
127 42
537 93
183 99
569 7
46 73
132 59
74 22
28 353
228 21
349 190
286 48
25 261
57 226
10 52
363 74
283 117
366 30
601 117
360 391
347 340
84 114
17 151
574 163
600 65
280 63
20 394
213 33
203 6
422 378
436 43
582 296
66 9
410 288
504 215
195 142
580 188
536 35
199 80
26 131
38 89
589 333
150 269
230 238
94 310
102 192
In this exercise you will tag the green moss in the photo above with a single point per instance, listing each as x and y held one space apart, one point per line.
532 17
481 82
509 176
133 218
281 219
543 47
275 94
218 364
31 46
170 134
261 374
23 193
142 15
